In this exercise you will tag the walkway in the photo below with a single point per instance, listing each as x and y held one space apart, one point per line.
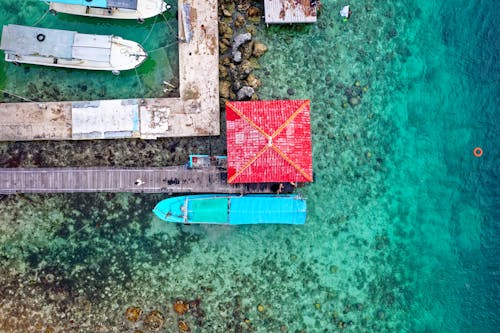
176 179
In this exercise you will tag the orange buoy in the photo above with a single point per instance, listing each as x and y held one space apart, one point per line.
478 152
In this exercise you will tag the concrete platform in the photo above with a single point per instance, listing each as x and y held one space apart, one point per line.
195 113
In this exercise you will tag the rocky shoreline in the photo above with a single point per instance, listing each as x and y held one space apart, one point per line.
239 52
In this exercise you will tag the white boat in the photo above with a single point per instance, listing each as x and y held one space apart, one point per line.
69 49
118 9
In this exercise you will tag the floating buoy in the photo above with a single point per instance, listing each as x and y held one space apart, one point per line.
478 152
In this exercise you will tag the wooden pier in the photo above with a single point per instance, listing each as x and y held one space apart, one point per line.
290 11
170 180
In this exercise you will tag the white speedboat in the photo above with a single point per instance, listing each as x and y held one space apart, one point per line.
118 9
70 49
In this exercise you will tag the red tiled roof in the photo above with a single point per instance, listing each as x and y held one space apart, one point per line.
269 141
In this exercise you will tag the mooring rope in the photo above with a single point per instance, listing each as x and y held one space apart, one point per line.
143 91
21 97
163 47
167 23
150 30
41 18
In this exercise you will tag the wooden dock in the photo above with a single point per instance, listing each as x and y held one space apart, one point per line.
290 11
177 179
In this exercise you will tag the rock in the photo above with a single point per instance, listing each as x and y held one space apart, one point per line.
239 21
354 101
222 48
260 308
180 306
380 314
241 39
290 91
183 326
133 313
224 89
238 41
226 13
246 67
154 321
253 12
253 81
236 56
222 72
244 93
259 49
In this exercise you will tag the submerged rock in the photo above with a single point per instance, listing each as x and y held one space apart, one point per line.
133 313
259 49
181 307
154 321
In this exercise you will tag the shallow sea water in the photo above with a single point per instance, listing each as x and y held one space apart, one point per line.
157 36
402 231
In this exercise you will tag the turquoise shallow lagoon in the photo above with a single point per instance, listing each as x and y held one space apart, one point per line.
402 232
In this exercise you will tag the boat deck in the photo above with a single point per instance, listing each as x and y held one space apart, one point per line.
195 113
177 179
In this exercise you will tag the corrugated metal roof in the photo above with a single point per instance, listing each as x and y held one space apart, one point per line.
269 141
24 40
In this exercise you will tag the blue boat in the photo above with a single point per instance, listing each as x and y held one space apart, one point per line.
235 209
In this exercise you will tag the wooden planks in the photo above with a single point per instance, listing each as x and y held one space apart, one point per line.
290 11
176 179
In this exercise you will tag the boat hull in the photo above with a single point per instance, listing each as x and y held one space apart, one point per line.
145 9
233 209
69 49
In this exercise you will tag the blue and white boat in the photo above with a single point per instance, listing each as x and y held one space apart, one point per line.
233 209
118 9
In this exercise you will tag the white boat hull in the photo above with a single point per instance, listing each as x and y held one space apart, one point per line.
145 9
125 55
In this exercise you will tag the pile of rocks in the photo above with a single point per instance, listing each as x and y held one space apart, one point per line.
238 51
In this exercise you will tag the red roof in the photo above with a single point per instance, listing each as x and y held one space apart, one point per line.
269 141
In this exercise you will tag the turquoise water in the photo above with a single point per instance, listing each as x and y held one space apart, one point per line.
402 232
37 83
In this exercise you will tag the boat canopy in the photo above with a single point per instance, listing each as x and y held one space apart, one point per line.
23 40
26 41
92 47
126 4
256 209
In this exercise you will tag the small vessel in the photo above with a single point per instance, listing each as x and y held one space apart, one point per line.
69 49
233 209
117 9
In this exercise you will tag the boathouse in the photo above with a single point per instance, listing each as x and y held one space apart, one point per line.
269 141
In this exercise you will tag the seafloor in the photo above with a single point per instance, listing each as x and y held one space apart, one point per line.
401 234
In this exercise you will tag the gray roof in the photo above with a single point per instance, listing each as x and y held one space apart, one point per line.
128 4
22 40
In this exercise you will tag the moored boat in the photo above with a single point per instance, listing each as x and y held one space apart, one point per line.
233 209
69 49
117 9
